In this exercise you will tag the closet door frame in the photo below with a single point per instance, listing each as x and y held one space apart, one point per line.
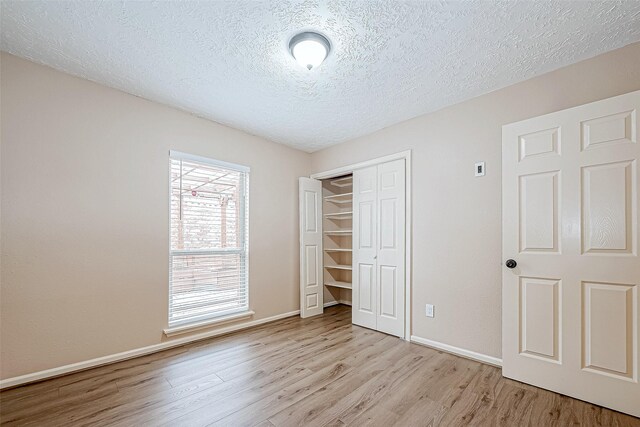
406 155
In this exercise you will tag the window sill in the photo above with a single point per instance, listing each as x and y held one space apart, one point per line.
177 330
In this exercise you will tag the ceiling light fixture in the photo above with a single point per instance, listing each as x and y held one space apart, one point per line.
309 49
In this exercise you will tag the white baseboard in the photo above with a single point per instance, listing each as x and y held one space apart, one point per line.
490 360
130 354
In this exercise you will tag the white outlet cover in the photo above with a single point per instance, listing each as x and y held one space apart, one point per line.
430 310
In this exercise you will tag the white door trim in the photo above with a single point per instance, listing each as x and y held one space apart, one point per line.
406 155
343 170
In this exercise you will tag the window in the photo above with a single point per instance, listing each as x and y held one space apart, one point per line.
208 275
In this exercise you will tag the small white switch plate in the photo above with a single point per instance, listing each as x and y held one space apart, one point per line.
429 310
480 169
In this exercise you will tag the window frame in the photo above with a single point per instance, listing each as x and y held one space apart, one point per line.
195 322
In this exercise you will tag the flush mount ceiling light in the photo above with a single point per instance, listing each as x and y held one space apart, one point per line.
309 49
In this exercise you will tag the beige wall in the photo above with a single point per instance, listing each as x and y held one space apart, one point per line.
85 216
84 221
456 217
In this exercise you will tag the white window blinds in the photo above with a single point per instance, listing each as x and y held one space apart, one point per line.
209 252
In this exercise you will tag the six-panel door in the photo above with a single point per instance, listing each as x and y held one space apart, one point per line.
570 220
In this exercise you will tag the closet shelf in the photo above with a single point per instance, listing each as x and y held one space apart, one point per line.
339 198
338 284
338 232
338 250
343 182
339 215
338 267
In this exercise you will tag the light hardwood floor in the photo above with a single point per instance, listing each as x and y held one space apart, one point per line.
294 372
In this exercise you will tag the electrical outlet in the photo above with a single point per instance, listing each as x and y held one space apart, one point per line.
430 310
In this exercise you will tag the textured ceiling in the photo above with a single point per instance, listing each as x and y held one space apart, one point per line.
391 60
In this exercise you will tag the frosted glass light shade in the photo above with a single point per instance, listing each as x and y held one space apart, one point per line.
309 49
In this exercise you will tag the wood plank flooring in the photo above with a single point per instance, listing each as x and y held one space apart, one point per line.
321 371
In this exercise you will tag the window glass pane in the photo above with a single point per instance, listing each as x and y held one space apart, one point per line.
208 276
205 208
205 285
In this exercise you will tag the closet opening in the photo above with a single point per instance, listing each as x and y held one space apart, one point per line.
355 243
337 240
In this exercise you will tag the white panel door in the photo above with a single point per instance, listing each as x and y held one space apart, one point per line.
364 289
390 242
570 222
311 286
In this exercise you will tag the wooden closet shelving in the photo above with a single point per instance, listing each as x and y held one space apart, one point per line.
340 198
347 181
338 232
337 217
339 267
338 284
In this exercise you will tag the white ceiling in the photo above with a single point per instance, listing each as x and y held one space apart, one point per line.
391 60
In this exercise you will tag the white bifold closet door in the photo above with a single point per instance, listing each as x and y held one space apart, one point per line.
311 286
379 247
